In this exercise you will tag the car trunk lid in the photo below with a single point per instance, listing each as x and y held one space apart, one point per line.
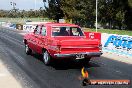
78 45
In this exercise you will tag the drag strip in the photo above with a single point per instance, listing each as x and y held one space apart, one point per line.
61 74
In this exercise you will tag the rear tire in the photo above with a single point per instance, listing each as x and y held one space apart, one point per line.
46 58
28 51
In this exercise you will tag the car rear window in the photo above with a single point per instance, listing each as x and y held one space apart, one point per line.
67 31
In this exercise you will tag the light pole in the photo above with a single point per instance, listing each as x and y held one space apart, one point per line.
96 15
13 4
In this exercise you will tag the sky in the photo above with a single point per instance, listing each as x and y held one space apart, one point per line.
21 4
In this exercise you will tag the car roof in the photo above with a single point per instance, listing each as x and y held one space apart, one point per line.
44 23
60 24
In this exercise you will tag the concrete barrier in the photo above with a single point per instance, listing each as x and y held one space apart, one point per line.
29 27
6 24
13 26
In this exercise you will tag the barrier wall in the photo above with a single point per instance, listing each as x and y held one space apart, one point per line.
29 28
2 23
120 44
5 24
8 25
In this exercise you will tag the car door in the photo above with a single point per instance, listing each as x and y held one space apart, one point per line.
36 38
41 39
32 39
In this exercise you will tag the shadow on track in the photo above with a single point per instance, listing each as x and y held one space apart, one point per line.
71 64
65 64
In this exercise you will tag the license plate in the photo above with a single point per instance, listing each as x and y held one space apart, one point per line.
79 56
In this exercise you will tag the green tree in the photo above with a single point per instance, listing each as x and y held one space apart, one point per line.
71 10
82 12
53 10
116 13
130 3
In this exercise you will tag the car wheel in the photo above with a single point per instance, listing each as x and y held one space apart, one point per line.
46 58
27 50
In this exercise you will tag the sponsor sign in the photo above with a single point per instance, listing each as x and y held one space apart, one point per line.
29 28
109 82
121 44
61 20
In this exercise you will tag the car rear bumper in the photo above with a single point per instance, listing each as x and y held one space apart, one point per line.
90 54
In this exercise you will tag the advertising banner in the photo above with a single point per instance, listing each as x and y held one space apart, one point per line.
121 44
29 28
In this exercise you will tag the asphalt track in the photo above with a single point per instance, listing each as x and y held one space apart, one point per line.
32 73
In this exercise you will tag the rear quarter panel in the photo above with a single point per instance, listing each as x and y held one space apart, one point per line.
93 35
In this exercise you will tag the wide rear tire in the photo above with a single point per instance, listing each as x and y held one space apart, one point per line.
46 57
28 51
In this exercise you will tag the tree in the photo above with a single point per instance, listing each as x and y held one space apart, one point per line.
112 12
3 13
130 3
71 10
82 12
128 14
116 13
53 10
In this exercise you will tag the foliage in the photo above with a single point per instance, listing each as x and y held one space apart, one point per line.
16 13
130 3
115 13
54 11
82 12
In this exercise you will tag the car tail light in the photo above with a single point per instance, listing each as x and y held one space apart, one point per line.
100 47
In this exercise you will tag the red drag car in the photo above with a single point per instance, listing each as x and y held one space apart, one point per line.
62 40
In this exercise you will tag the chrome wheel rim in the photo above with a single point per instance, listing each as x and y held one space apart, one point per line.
26 48
45 56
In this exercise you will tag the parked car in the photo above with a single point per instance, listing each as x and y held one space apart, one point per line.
62 40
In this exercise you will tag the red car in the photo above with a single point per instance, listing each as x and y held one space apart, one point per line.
62 40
